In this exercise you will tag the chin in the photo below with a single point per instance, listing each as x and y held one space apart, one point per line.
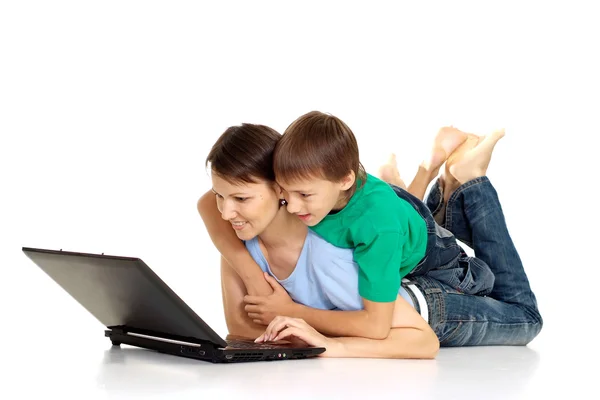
313 221
245 235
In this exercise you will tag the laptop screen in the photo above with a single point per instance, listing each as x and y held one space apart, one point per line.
122 291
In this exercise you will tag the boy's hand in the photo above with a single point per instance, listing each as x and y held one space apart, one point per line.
263 309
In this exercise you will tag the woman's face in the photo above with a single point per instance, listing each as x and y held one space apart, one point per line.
249 207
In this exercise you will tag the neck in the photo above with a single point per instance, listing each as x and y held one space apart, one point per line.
342 201
285 230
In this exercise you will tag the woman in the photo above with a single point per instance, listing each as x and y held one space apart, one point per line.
317 274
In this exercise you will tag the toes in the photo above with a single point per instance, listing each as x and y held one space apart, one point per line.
392 159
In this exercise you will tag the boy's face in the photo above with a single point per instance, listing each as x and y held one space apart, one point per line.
312 199
249 207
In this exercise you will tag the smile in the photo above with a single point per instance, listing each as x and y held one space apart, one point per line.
238 225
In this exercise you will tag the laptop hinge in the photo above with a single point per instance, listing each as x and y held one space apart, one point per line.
118 329
122 329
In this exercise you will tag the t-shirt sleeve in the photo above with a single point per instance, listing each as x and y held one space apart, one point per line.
378 262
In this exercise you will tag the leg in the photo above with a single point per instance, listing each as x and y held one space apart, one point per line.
474 211
469 161
466 320
444 259
447 140
474 215
389 173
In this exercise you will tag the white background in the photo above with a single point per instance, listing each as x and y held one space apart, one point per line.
108 110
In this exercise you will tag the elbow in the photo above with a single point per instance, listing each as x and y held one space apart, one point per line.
407 343
430 346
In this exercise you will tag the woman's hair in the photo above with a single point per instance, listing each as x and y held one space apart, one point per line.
244 153
317 145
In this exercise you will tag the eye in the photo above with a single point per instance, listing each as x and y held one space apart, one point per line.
305 194
218 196
241 199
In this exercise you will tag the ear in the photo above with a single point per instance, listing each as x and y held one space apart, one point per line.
278 190
347 181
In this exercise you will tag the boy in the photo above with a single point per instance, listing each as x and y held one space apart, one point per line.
393 234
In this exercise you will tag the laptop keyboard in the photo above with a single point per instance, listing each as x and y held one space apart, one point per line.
242 344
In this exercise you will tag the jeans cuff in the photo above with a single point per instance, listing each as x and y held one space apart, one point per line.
435 199
477 181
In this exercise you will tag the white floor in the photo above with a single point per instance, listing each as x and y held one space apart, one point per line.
89 367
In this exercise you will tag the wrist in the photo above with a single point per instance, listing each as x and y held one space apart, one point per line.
257 285
334 348
293 310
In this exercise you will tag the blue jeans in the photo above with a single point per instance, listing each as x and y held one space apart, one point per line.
509 314
444 260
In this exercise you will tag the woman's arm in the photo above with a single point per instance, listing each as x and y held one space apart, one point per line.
411 337
233 292
230 247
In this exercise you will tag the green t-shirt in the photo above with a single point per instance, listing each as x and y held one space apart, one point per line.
389 237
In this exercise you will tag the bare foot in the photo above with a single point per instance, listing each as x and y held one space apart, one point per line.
474 162
449 182
435 161
389 173
447 140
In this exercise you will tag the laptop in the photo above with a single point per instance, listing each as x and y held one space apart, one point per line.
139 309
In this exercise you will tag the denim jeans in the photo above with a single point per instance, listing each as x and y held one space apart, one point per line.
444 260
509 314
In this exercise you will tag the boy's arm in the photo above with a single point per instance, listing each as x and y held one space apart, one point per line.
373 322
231 247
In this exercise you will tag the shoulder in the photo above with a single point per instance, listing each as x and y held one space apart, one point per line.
378 207
376 195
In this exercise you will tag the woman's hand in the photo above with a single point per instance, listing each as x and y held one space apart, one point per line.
263 309
295 328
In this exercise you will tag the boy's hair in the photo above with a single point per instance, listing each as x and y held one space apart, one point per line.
244 153
317 145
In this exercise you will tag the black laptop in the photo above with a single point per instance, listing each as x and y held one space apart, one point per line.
139 309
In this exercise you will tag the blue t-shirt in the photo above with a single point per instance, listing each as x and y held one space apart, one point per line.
325 277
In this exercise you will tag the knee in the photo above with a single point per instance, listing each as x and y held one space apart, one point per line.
536 325
482 277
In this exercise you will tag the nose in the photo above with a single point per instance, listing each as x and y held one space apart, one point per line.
293 206
228 210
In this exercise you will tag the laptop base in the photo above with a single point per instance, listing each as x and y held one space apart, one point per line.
208 352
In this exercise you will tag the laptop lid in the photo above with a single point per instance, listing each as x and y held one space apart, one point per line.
123 292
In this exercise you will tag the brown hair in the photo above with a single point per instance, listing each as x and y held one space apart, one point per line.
244 153
318 145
